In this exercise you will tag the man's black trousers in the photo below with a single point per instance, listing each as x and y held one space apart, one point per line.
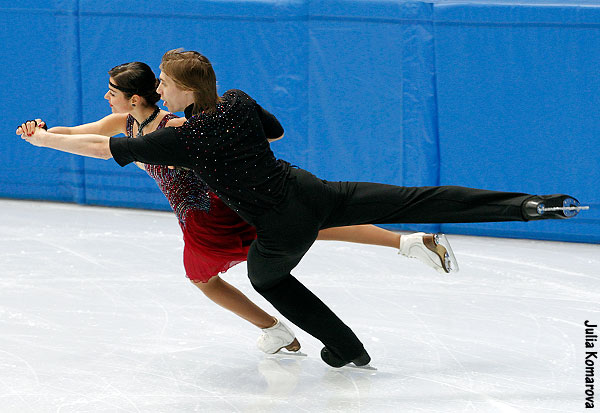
310 204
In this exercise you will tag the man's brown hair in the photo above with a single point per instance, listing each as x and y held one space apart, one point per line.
191 70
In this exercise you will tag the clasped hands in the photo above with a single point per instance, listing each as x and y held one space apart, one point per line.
32 131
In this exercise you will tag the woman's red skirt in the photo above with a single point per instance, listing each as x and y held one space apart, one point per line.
214 241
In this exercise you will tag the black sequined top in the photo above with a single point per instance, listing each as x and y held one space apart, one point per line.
228 150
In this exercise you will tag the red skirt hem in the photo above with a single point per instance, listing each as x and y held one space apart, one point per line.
214 241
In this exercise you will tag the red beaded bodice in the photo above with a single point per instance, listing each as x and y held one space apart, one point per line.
182 187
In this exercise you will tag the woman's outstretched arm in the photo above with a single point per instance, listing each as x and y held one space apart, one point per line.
110 125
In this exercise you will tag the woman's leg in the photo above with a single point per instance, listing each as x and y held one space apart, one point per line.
232 299
276 335
362 234
424 247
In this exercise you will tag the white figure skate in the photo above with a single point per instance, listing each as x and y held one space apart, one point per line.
433 250
276 339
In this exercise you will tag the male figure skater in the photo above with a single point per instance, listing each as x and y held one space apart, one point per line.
225 141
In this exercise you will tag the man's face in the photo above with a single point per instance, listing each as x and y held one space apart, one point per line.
174 98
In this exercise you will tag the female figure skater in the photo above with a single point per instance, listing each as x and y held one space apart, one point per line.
215 237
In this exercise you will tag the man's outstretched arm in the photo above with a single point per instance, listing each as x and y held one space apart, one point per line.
94 146
157 148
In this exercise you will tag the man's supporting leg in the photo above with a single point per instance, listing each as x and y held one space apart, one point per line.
284 234
299 305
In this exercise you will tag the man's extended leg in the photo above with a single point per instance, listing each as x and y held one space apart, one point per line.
379 203
286 233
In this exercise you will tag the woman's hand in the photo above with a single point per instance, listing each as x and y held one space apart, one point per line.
32 131
37 122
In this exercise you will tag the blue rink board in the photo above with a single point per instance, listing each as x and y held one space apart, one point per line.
499 95
32 87
521 98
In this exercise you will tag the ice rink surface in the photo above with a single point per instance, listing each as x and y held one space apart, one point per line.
96 315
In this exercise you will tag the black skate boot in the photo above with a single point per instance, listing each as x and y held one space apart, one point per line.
556 206
333 360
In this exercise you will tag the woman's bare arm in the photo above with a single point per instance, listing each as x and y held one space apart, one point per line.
110 125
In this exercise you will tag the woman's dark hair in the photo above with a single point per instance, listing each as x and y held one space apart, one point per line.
136 78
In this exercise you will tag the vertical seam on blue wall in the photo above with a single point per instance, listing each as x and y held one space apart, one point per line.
308 71
402 144
79 89
436 122
402 109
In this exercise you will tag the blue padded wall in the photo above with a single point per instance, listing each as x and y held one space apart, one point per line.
371 93
249 46
517 91
39 76
500 96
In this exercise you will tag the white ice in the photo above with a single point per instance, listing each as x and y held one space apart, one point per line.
96 315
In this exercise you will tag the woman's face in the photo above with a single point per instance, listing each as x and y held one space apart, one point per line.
117 100
175 99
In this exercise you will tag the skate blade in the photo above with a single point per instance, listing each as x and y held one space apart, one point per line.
285 353
450 262
353 366
570 208
439 245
